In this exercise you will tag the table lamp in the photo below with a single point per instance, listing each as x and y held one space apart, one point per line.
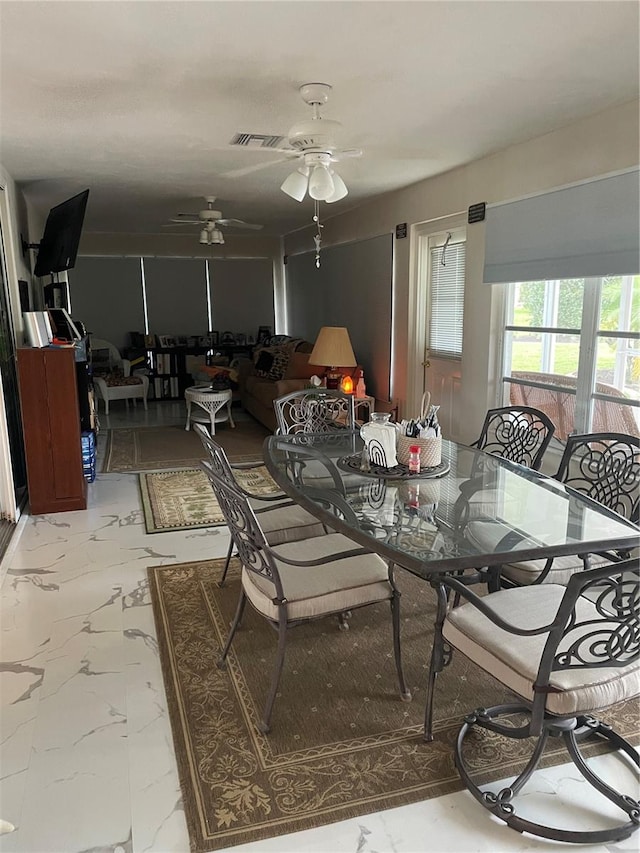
331 350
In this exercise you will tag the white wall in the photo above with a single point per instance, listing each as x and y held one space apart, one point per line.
14 224
594 146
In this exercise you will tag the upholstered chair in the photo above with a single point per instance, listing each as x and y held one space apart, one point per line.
281 519
518 433
115 382
314 410
605 466
569 652
301 581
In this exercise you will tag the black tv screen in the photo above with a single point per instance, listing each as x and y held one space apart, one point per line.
59 245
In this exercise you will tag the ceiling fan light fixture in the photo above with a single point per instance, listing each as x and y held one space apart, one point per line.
339 188
217 236
204 237
321 185
295 185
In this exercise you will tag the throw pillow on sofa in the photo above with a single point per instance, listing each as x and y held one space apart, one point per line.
271 363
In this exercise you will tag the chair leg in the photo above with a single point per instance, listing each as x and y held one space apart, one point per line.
501 804
106 407
144 402
623 802
222 660
265 723
343 620
226 565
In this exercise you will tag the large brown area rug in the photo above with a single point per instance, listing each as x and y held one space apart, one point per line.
342 744
184 499
155 448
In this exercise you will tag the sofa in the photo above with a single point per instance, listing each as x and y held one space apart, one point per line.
278 367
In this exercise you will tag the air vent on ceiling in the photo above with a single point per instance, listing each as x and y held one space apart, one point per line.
257 140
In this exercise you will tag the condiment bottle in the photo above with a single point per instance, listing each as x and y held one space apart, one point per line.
414 459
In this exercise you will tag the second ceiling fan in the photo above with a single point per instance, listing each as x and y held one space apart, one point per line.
210 221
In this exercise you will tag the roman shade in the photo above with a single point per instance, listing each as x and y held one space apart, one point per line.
176 296
106 295
579 231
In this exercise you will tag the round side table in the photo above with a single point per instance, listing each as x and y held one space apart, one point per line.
216 404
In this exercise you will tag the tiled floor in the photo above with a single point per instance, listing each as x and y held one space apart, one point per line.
87 756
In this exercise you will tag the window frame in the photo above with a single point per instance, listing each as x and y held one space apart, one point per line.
588 335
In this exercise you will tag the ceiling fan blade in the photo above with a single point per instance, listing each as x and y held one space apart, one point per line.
238 223
194 216
248 170
343 153
184 222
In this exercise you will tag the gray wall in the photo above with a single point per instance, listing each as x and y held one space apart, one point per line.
352 288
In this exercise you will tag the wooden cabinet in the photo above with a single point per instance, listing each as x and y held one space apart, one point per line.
51 426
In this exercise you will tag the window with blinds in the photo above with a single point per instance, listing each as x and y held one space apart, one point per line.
447 254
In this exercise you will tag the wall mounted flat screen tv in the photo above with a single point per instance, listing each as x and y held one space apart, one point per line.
59 245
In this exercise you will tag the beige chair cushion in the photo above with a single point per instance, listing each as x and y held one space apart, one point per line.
514 660
561 569
486 536
316 590
286 524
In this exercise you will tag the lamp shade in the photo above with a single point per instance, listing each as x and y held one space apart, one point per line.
339 189
333 348
321 184
295 185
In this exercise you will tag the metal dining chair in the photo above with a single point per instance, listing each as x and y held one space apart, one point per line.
604 466
518 433
314 410
567 652
282 520
301 581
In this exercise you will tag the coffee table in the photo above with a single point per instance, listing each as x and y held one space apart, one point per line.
216 405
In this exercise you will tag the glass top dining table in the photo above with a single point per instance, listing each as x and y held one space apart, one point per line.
478 511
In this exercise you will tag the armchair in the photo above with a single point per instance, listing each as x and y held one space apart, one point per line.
605 466
568 652
314 411
281 519
301 581
112 375
519 433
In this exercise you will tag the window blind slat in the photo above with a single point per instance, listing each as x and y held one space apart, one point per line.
447 299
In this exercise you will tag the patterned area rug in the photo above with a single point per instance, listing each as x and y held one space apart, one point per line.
342 744
160 448
184 499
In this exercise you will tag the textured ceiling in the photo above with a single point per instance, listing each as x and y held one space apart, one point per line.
139 100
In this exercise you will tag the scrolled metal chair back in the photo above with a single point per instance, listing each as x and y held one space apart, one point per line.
605 466
314 411
245 530
518 433
609 634
217 456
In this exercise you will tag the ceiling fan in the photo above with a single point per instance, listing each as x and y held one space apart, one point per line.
313 142
210 221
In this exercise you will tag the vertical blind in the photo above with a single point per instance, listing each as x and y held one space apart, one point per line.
447 299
